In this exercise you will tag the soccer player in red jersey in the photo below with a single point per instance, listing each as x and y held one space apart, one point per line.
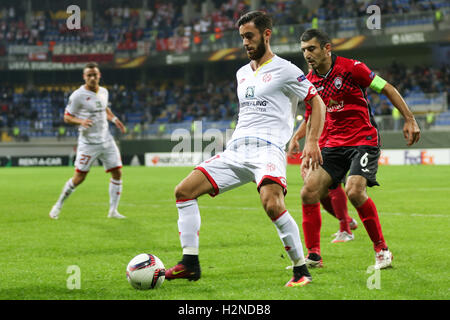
335 201
353 141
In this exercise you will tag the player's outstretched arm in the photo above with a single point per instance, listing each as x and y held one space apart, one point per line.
411 130
111 117
294 146
311 151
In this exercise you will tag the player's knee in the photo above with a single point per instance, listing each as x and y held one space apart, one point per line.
116 174
356 195
309 195
181 193
273 206
272 198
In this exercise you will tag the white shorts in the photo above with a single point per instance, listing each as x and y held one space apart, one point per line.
242 162
108 153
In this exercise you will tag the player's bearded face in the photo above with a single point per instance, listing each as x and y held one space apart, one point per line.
259 51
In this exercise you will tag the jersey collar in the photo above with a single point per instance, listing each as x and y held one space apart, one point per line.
255 72
87 90
333 61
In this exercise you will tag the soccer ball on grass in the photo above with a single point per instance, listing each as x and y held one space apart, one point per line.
145 271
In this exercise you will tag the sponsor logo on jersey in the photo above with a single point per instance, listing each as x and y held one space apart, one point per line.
254 103
372 75
301 78
242 80
312 90
267 77
270 167
250 92
338 82
335 106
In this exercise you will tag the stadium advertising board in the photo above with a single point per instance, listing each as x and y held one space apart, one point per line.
211 53
17 50
388 157
65 56
174 159
35 161
404 157
415 157
99 52
40 65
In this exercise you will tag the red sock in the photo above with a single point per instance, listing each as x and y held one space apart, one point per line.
369 217
326 204
312 222
339 202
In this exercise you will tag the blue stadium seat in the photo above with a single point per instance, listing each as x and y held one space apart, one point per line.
443 119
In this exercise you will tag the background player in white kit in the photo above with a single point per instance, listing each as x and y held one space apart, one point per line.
88 108
269 89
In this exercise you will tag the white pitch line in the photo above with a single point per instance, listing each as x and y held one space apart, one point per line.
256 208
323 211
415 189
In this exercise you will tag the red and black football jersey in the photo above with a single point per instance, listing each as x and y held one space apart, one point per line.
349 120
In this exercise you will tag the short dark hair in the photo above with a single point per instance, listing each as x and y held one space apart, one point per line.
91 65
320 35
261 20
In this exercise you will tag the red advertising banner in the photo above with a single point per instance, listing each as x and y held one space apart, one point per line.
69 53
295 160
97 57
175 44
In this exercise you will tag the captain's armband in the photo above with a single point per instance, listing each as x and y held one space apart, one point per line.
378 84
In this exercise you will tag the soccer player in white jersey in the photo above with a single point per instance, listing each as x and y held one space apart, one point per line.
269 89
88 108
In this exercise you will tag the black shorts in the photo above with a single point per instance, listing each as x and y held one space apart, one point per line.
357 160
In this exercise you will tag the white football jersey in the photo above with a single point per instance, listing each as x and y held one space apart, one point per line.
268 99
85 104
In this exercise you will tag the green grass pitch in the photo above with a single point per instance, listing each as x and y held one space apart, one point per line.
241 255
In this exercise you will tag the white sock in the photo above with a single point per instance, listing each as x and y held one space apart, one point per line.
115 190
290 236
189 225
67 190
